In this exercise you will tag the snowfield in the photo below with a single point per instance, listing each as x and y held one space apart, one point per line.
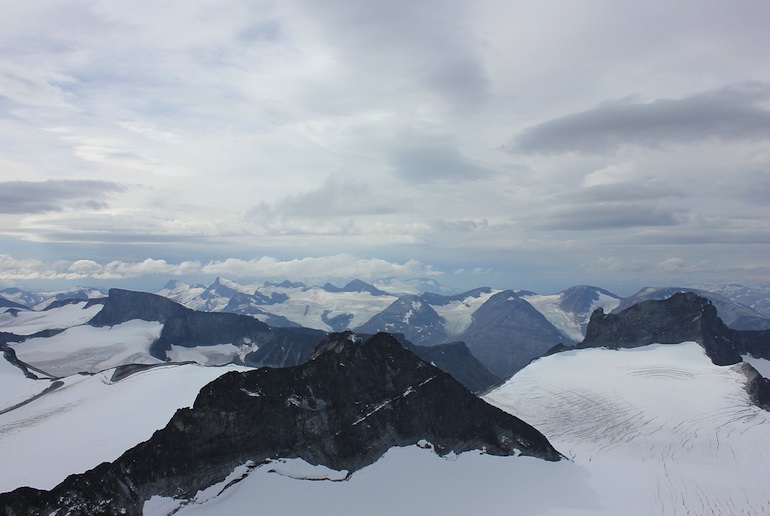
459 314
30 322
660 429
89 420
89 349
566 322
307 307
407 481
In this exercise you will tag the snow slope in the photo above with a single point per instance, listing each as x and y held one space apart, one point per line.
308 306
660 429
572 325
15 387
459 314
90 420
90 349
407 481
30 322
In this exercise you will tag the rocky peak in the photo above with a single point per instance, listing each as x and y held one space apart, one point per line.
684 316
344 409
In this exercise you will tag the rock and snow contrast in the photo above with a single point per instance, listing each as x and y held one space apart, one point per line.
343 409
658 429
661 408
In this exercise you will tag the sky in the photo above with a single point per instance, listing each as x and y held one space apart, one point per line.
530 144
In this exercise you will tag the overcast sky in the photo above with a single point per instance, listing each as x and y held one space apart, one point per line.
529 144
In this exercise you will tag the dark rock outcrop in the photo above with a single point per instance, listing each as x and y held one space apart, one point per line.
277 347
757 387
682 317
355 285
733 314
344 409
456 359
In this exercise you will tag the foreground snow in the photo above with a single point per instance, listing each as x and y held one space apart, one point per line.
660 429
405 481
88 420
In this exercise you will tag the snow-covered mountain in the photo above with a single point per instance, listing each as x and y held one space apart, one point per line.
41 299
733 313
650 428
343 409
756 297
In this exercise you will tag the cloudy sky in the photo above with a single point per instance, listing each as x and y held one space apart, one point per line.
529 144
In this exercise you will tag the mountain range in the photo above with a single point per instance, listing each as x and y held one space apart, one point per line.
663 392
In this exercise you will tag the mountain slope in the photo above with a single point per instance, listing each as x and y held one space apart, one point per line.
343 409
409 315
570 309
507 332
87 419
186 328
657 429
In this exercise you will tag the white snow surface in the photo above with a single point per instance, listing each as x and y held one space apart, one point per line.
306 306
659 429
459 314
90 420
409 480
90 349
571 325
15 387
30 322
215 355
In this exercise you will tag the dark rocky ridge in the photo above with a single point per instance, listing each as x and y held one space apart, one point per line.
456 359
278 347
682 317
344 409
733 314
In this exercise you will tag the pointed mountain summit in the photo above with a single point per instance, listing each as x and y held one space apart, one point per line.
343 409
411 316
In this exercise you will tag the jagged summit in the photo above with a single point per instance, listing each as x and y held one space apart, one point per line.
343 409
684 316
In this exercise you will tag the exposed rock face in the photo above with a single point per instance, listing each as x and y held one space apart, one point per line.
733 314
507 333
684 316
344 408
413 317
757 387
456 359
278 347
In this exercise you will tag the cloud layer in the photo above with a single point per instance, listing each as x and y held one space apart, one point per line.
512 144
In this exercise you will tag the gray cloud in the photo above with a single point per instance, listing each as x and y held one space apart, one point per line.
732 113
24 197
625 191
608 216
338 196
436 162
